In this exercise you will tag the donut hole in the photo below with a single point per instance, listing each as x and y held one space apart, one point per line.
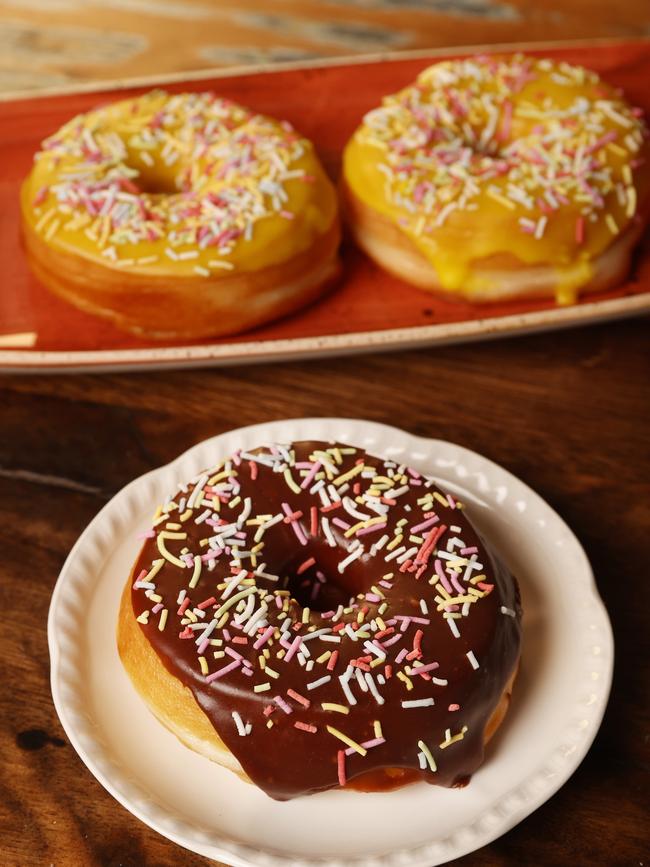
155 181
321 587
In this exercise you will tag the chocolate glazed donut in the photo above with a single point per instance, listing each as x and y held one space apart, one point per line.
335 616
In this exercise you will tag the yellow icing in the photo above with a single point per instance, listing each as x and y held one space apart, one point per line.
429 160
164 156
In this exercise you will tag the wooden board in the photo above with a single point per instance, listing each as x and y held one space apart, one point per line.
369 310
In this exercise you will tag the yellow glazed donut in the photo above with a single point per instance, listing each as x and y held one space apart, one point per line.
498 177
180 215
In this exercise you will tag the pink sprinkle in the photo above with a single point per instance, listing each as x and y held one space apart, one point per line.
305 727
443 578
472 550
295 644
156 608
401 655
331 662
341 523
375 742
233 653
425 524
240 639
423 669
310 475
304 566
340 764
148 534
268 710
140 577
183 606
281 703
451 501
453 707
365 530
299 698
264 637
372 597
221 671
203 646
297 529
206 603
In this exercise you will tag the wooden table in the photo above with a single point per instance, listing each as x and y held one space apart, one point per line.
569 413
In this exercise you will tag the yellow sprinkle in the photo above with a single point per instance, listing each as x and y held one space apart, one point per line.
262 687
377 729
339 708
222 475
501 200
441 499
269 724
394 542
611 224
186 514
196 574
234 599
406 680
339 480
270 671
324 656
346 740
204 665
451 740
155 569
290 482
262 661
626 171
160 541
305 615
631 203
163 619
154 597
170 525
143 618
427 754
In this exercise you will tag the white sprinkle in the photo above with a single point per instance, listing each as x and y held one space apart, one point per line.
320 682
241 728
418 702
507 611
472 659
373 688
350 559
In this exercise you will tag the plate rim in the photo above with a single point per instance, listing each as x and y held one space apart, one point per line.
238 853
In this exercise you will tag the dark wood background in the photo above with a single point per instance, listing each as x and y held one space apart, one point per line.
569 413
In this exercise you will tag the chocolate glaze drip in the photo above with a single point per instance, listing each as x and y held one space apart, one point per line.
286 761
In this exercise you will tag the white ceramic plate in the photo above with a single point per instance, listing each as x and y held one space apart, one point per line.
557 706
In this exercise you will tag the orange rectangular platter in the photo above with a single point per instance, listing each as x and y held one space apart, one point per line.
369 310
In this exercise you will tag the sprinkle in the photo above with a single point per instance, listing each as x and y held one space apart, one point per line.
143 618
428 756
350 559
299 698
449 740
241 728
508 611
418 702
281 703
340 764
320 682
305 727
223 671
338 708
347 740
472 659
377 729
163 619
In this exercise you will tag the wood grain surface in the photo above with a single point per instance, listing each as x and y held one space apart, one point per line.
569 413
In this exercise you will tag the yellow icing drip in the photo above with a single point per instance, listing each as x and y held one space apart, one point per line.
497 162
144 183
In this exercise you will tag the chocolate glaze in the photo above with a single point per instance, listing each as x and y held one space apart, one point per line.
286 761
